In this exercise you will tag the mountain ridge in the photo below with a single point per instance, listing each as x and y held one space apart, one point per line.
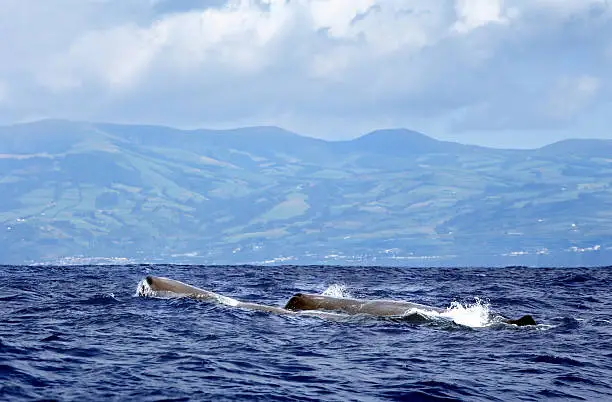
154 193
51 126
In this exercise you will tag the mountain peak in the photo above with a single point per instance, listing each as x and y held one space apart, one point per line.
579 147
401 142
271 132
398 136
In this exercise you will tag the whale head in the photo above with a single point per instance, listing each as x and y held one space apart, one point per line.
299 302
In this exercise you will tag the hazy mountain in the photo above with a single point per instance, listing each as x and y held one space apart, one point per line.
579 148
263 194
402 143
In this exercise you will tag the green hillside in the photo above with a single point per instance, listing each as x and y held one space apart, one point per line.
262 194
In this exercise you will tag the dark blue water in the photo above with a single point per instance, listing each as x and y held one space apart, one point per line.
81 333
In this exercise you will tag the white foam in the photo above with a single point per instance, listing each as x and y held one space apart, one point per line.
228 301
143 289
474 315
337 290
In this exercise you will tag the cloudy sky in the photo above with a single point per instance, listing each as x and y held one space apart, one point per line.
513 73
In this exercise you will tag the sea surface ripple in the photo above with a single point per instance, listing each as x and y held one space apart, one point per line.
81 332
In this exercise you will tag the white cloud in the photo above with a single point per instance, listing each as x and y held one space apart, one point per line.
113 59
572 95
476 13
4 93
337 16
567 8
474 64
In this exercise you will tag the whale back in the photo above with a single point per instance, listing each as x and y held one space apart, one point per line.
523 321
170 287
163 285
379 308
382 308
304 304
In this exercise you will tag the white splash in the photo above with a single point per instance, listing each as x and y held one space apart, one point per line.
228 301
143 289
475 315
337 290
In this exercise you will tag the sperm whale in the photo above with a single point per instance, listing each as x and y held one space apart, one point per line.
305 304
160 286
378 308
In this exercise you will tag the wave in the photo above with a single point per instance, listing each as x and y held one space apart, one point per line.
559 360
100 299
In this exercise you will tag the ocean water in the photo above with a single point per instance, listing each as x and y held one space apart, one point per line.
82 333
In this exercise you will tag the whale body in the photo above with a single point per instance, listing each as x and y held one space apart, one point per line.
166 287
380 308
306 304
160 286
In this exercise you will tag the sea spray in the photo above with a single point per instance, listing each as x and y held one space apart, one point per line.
337 290
475 315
